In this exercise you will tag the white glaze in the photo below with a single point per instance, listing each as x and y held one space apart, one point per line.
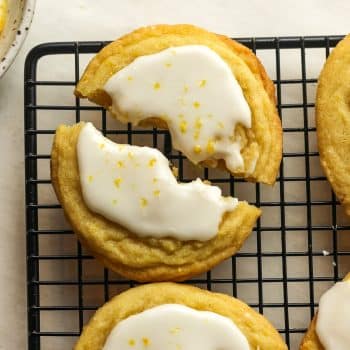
176 327
194 90
135 187
333 318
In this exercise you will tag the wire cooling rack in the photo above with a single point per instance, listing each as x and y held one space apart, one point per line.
298 249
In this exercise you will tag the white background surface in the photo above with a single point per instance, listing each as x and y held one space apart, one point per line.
68 20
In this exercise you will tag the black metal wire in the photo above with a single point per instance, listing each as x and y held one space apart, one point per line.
35 208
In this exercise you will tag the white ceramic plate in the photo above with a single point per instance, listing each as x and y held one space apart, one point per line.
20 15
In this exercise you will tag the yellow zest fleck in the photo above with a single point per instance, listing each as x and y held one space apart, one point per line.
168 65
156 86
143 202
174 330
178 347
137 165
197 149
130 155
101 146
196 104
90 179
198 123
114 201
180 116
130 78
152 162
220 125
131 342
146 341
202 83
183 126
210 116
196 134
120 164
117 182
155 180
121 147
156 193
185 89
210 147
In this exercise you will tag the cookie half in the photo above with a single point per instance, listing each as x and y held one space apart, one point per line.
123 320
135 257
214 96
333 120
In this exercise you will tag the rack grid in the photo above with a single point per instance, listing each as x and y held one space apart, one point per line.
297 250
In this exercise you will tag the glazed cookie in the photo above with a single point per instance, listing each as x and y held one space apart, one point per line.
333 120
211 92
173 316
127 208
329 330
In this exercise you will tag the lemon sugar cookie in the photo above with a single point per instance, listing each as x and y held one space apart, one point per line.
212 94
127 208
329 330
333 120
172 316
